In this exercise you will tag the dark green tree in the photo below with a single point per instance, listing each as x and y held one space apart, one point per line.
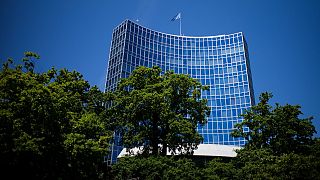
278 128
263 164
255 164
280 144
51 124
159 112
218 169
155 167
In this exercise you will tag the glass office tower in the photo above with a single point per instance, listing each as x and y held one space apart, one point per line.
220 62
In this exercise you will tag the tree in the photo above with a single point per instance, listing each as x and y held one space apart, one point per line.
51 124
157 112
255 164
263 164
218 169
155 167
280 144
279 128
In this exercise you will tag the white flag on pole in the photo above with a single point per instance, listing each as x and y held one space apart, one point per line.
178 16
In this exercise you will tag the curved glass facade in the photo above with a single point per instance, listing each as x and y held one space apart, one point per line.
220 62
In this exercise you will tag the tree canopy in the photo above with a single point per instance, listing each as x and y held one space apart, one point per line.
278 128
51 124
159 112
54 125
280 144
155 167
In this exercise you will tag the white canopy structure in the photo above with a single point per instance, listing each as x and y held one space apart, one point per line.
209 150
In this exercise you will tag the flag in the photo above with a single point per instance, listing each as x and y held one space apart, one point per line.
178 16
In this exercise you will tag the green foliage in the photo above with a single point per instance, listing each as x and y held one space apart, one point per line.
155 168
263 164
157 112
280 144
51 123
280 129
255 164
295 166
217 169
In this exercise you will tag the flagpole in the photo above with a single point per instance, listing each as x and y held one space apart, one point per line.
178 16
180 24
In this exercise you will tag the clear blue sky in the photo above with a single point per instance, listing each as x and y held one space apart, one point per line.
283 37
